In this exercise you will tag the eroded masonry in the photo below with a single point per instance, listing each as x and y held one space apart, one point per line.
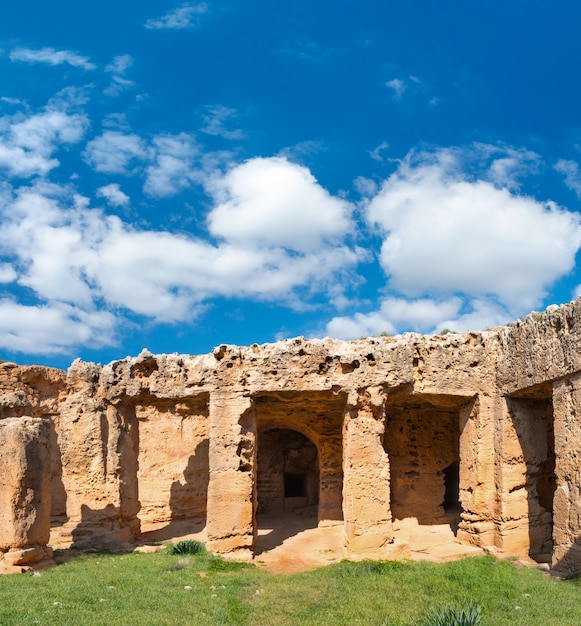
481 429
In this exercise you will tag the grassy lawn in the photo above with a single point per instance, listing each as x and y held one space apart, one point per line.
142 589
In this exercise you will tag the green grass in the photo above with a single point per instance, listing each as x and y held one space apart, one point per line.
157 589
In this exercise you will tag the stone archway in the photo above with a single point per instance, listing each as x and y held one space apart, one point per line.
287 473
317 416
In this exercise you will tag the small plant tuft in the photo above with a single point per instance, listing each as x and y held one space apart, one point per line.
465 614
188 546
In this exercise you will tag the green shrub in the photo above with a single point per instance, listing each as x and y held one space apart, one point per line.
188 546
453 615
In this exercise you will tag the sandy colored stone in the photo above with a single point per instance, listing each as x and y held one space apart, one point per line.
25 471
479 431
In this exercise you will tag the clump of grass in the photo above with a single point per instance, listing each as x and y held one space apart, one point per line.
466 614
188 546
366 567
218 564
181 564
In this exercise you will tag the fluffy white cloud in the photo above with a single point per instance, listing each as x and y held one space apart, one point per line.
446 231
273 202
7 273
173 167
113 151
53 328
113 194
397 315
28 142
169 163
73 256
394 315
180 18
461 249
50 56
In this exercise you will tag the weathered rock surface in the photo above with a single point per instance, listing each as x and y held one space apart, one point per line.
25 477
480 429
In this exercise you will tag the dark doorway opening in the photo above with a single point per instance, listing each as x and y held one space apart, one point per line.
295 485
451 473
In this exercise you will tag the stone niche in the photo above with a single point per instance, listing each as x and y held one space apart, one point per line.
313 454
173 469
288 472
422 438
528 473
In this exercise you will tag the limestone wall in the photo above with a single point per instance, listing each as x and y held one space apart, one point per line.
483 427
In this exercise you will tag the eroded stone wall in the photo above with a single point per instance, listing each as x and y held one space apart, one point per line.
401 426
174 469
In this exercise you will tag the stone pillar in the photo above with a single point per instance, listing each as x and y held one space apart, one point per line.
477 471
25 468
567 500
366 494
512 508
232 498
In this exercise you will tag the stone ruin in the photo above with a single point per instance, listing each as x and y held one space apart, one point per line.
483 428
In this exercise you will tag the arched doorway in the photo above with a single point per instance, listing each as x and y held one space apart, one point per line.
288 473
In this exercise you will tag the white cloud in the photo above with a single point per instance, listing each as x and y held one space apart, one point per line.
52 328
118 66
478 314
71 255
7 273
365 186
118 85
180 18
214 122
272 202
446 231
15 101
28 142
173 167
570 169
113 151
113 194
375 154
425 315
50 56
394 314
398 87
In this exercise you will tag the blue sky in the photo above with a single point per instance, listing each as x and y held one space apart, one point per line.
179 175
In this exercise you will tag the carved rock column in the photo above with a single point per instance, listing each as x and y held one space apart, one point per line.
232 488
567 500
478 423
366 493
25 468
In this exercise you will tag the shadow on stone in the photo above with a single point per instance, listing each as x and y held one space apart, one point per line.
275 529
